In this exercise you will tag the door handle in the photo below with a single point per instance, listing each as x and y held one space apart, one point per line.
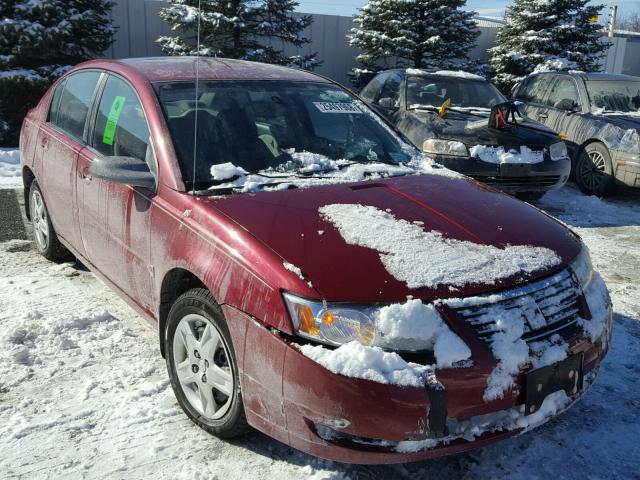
84 174
44 143
542 115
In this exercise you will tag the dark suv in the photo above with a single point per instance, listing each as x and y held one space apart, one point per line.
598 115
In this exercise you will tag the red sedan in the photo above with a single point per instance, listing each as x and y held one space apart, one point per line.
311 274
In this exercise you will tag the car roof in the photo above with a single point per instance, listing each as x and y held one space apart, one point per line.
162 69
433 72
595 75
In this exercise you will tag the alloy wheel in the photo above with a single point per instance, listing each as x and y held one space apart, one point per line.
39 220
201 359
593 172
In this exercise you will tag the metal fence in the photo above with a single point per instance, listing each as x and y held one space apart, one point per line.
139 26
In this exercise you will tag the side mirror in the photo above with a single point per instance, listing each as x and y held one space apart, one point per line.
566 104
387 103
126 170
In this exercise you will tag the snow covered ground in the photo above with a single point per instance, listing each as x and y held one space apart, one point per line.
84 392
10 168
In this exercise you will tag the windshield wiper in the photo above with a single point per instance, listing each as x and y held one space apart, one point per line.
235 189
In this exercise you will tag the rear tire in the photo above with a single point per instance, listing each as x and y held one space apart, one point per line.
529 196
45 236
202 365
594 171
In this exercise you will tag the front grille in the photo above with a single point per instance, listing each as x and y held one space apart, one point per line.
548 307
519 182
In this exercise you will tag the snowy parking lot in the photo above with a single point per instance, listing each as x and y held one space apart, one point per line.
84 392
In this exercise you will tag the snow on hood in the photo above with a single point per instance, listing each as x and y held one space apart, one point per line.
403 247
288 223
499 155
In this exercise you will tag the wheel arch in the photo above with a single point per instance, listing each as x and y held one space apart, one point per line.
590 141
174 283
27 179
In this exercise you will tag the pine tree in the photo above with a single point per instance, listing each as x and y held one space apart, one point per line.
414 33
546 35
243 29
39 41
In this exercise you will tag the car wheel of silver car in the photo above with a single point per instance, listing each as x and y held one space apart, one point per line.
45 237
594 171
202 365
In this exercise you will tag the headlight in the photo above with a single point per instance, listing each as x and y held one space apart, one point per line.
385 326
330 324
558 151
445 147
582 267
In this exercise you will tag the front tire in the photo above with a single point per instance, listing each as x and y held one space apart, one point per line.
594 171
45 236
202 365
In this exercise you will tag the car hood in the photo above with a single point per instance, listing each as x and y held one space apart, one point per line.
474 130
621 120
289 223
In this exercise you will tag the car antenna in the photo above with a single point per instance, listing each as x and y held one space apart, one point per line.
195 127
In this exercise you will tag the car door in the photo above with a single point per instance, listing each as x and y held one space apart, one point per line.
60 139
115 218
565 110
533 94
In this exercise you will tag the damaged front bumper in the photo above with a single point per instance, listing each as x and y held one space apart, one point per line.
512 178
360 421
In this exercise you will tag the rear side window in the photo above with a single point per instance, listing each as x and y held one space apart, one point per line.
75 100
535 89
372 91
121 127
55 102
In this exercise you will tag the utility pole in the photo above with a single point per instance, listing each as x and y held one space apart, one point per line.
612 19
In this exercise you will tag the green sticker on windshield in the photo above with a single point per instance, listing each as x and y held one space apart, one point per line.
112 120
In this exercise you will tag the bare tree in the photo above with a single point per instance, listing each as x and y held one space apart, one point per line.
629 22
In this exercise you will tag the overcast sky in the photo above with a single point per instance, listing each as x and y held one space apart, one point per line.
491 8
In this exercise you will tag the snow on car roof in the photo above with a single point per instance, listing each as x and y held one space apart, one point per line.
445 73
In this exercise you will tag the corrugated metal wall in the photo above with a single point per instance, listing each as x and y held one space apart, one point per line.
139 25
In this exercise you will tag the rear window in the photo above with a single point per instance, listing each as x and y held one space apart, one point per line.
75 100
268 125
431 90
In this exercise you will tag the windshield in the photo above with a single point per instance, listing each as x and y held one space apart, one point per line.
430 90
616 96
272 127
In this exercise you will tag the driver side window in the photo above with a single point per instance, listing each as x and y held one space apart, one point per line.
564 89
390 96
371 92
121 128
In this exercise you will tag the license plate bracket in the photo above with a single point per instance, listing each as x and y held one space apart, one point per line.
564 375
515 169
